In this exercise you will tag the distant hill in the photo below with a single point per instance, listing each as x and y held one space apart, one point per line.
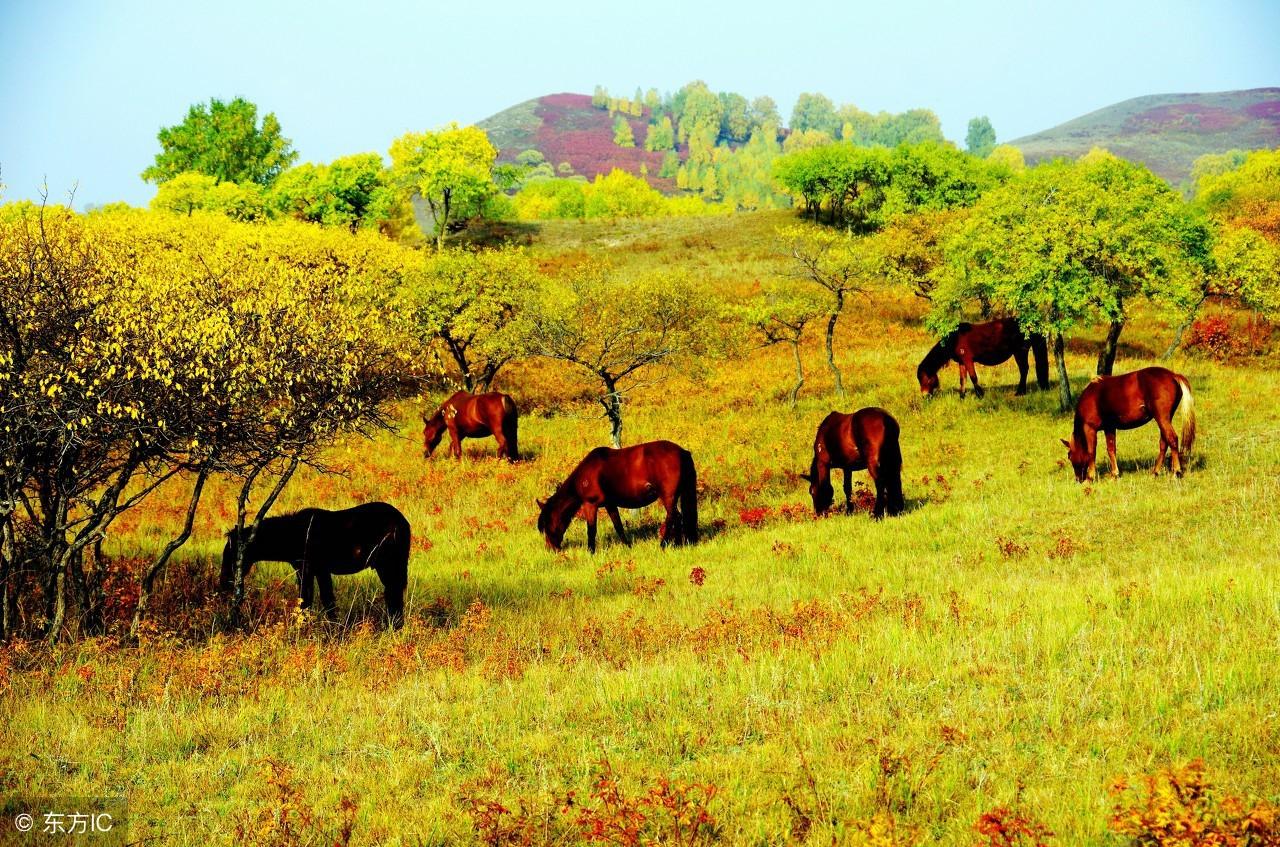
1167 132
567 128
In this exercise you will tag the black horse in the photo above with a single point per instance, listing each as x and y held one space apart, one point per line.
320 543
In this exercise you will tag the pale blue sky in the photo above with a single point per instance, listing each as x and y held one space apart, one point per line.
84 86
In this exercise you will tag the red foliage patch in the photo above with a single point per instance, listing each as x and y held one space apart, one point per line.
1268 111
1186 117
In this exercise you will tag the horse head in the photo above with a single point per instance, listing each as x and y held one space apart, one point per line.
1078 456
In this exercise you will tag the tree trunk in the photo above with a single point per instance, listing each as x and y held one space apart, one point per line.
8 573
1182 330
831 356
612 402
149 578
795 392
1064 383
1107 355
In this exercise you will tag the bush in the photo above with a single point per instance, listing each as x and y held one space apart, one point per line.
1220 337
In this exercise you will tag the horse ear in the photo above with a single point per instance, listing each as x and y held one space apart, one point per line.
1065 443
542 504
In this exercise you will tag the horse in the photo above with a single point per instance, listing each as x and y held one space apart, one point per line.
989 343
866 440
1128 401
473 416
630 478
320 543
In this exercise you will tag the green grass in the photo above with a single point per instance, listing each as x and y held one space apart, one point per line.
1013 639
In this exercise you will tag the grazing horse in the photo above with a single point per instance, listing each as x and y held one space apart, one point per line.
473 416
1128 401
989 343
867 439
320 543
629 478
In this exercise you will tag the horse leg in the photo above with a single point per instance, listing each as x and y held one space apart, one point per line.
671 533
1111 453
882 491
973 376
1170 437
848 491
617 524
394 578
589 513
306 584
1020 356
1164 446
325 582
455 441
962 374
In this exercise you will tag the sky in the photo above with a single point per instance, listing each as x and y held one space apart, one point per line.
85 85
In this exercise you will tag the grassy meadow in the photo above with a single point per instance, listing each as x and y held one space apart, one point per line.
1013 640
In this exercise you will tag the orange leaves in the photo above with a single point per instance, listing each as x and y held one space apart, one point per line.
1180 807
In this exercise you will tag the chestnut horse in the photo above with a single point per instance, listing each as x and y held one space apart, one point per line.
867 439
473 416
989 343
1128 401
630 478
319 543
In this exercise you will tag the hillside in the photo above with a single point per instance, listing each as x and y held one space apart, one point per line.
1167 132
567 128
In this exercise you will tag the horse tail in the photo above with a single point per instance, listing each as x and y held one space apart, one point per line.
889 472
1188 409
1040 351
510 428
688 497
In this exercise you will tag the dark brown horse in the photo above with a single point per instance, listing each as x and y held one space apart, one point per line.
989 343
1128 401
866 440
319 543
473 416
629 478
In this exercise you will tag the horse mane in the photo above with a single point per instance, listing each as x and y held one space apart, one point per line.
562 500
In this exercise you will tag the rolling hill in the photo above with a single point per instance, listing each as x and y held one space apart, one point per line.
567 128
1167 132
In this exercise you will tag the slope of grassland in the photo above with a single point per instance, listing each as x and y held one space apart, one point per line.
567 128
1167 132
1013 639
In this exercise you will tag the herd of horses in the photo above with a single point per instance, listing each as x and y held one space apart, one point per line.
321 543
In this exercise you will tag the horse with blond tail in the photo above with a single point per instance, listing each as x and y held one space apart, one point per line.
1129 401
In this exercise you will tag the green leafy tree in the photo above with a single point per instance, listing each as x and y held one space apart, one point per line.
981 137
670 165
735 116
624 332
1071 245
814 111
600 97
353 192
1008 156
764 113
225 141
835 262
660 136
468 302
622 134
779 316
452 169
701 112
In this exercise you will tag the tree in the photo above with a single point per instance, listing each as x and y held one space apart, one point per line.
834 262
735 116
600 97
139 350
981 137
1009 157
624 332
779 316
814 111
452 169
909 249
224 141
353 192
700 111
1069 245
622 134
670 165
764 113
469 303
660 136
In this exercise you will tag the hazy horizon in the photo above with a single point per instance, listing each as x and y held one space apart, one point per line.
85 87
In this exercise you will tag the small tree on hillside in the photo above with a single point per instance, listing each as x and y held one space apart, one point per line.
452 169
779 316
469 303
625 333
981 137
622 134
835 262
